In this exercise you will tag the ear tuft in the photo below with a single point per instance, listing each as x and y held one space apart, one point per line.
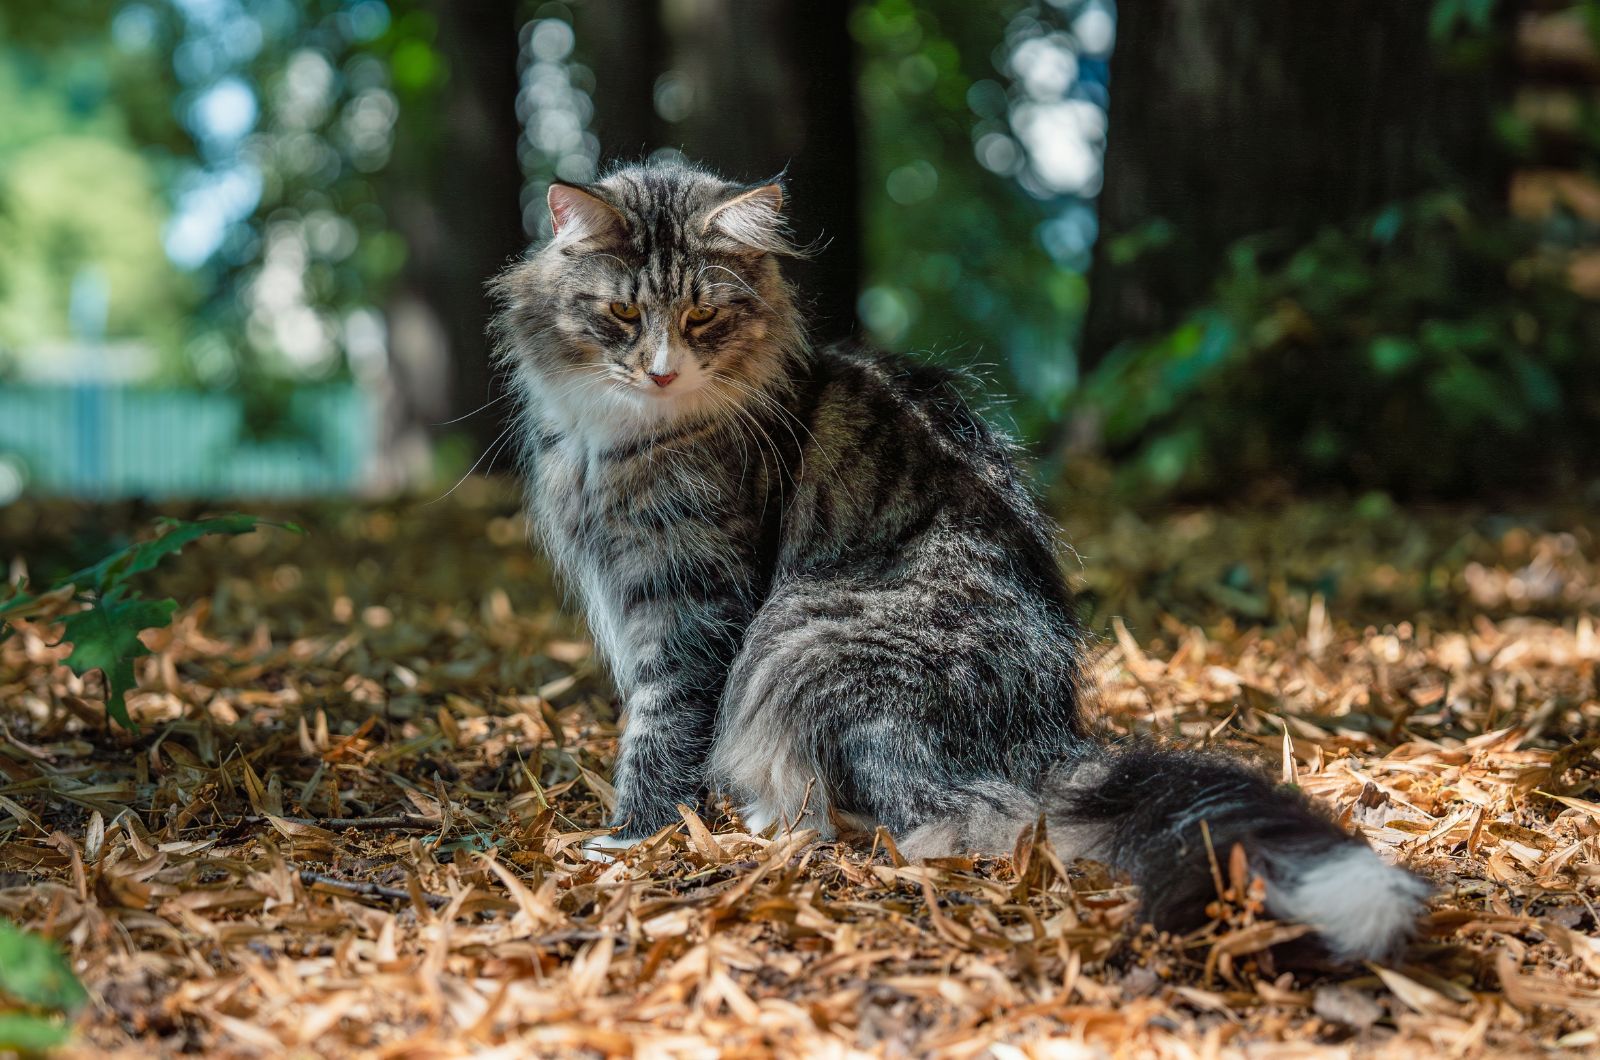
751 219
578 214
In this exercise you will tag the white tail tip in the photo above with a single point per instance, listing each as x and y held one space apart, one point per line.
1363 907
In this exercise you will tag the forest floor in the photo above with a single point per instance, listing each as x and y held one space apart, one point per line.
350 821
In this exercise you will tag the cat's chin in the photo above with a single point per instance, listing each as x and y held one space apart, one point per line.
623 415
655 406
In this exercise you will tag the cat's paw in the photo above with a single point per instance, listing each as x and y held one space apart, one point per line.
608 848
757 818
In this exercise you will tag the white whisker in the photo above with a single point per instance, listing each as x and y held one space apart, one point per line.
488 454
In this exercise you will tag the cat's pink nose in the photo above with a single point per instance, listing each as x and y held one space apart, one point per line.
663 379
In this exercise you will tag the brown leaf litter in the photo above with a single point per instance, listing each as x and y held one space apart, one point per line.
350 823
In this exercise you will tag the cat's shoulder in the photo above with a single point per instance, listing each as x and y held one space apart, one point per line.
867 365
939 391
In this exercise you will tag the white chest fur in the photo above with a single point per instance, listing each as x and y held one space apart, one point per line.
568 506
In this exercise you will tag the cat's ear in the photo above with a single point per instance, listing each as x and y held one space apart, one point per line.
578 215
752 219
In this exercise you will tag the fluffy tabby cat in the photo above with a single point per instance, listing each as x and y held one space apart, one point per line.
823 588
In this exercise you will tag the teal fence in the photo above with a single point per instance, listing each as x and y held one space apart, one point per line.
93 440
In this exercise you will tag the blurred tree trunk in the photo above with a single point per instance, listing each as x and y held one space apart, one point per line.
751 88
624 43
1235 117
824 166
454 192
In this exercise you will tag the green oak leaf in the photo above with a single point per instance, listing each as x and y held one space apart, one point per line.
33 973
146 555
13 601
31 1034
106 638
12 597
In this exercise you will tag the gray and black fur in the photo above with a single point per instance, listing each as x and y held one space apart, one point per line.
823 587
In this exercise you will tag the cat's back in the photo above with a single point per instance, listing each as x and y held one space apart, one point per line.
898 456
867 395
906 425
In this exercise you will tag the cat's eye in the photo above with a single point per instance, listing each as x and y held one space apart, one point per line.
702 313
625 310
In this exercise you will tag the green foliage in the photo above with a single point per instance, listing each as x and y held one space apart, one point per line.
319 233
106 638
955 266
112 96
27 1033
1363 358
105 635
33 973
60 133
37 989
137 558
1451 17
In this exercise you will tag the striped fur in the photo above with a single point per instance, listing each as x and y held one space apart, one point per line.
822 586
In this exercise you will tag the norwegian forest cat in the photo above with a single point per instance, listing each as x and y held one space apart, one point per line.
824 589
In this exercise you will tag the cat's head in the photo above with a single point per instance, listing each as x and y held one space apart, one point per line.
658 296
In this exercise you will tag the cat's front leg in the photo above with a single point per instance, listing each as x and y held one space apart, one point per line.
666 738
669 637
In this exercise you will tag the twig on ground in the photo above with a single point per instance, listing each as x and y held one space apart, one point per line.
399 820
370 890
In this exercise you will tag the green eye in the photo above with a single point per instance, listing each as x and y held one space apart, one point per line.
625 310
702 313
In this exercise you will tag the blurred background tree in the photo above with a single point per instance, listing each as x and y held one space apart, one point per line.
1316 267
1341 246
74 115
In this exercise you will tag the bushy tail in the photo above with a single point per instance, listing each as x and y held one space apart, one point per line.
1139 809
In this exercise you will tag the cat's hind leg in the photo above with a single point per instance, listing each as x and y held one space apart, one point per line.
830 714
